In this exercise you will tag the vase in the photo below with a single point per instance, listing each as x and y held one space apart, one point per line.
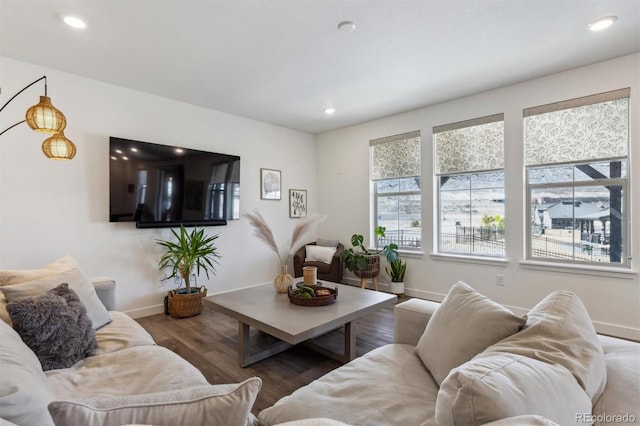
283 280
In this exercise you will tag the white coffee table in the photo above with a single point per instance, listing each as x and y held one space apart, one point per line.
272 313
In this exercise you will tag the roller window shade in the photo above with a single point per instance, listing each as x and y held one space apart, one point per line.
470 146
396 157
584 129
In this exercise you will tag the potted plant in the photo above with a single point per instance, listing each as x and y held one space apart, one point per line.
190 250
365 263
396 271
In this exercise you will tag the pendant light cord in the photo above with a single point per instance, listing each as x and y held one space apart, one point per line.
44 77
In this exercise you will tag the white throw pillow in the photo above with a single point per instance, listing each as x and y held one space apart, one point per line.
559 331
463 326
30 283
24 389
506 385
228 404
320 254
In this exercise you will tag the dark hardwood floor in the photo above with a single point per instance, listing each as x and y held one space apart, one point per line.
209 341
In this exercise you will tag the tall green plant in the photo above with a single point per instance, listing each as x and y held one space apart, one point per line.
189 251
396 270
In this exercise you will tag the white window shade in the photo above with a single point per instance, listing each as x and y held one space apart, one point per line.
470 146
590 128
396 156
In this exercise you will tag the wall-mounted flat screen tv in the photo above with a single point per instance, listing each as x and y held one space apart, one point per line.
165 186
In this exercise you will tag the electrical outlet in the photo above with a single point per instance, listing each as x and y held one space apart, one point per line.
500 280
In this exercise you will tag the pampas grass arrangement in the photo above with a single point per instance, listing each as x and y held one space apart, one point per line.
263 232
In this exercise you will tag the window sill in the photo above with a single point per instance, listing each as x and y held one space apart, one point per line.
479 260
404 252
567 268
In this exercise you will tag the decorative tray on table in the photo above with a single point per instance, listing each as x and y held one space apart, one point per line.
312 295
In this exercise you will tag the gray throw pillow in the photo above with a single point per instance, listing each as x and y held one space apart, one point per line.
55 326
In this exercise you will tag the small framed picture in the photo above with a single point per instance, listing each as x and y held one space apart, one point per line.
297 203
270 184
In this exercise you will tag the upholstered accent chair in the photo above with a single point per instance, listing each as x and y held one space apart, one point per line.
326 271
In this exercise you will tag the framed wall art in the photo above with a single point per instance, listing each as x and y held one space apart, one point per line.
297 203
270 184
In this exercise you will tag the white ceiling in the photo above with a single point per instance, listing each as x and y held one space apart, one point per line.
284 61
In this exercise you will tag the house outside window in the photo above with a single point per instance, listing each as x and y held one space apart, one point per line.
469 169
577 180
396 179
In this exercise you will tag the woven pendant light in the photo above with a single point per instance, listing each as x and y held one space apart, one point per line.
45 118
58 147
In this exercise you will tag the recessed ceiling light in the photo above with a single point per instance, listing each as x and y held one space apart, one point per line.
118 151
346 26
329 111
602 23
125 158
179 150
113 158
73 22
134 149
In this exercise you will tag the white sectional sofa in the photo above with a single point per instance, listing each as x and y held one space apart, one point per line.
127 379
465 364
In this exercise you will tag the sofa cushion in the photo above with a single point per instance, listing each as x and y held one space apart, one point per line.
55 326
621 395
131 371
24 390
388 385
228 404
525 420
559 331
29 283
464 325
490 388
121 333
319 254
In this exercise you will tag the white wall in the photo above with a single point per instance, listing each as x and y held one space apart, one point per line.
52 208
613 300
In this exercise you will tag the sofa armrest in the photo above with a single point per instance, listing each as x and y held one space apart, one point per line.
411 318
106 290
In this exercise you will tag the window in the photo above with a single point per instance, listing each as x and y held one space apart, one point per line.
469 161
395 173
577 180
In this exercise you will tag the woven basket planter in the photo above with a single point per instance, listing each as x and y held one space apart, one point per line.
186 305
372 269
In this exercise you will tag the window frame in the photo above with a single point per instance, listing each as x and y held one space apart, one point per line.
439 249
376 195
624 182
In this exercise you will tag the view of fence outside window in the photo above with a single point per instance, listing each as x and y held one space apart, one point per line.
396 177
577 180
469 159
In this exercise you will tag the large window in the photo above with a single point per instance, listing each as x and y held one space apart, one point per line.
469 161
577 180
395 173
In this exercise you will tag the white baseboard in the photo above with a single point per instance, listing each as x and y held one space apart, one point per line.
146 311
615 330
601 327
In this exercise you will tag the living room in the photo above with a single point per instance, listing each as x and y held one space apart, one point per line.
53 208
